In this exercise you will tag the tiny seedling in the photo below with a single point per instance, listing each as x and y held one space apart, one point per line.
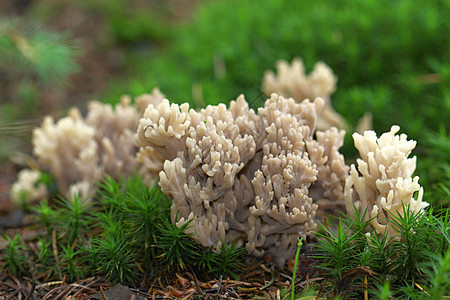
294 273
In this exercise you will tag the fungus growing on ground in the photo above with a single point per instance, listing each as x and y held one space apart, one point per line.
292 81
241 175
383 183
258 178
67 149
79 151
27 188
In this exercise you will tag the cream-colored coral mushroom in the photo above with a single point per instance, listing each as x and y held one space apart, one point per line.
328 190
165 126
59 146
292 81
383 183
150 163
209 151
240 175
282 208
114 135
27 187
155 98
79 151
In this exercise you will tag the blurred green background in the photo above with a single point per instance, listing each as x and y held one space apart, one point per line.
392 58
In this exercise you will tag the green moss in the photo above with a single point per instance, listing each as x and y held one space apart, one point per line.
380 51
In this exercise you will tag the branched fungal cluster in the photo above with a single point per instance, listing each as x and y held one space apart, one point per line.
79 151
383 183
237 173
256 177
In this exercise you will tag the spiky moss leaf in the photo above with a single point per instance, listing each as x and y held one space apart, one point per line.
337 249
413 244
71 263
73 216
14 260
146 208
34 51
45 215
115 257
229 260
439 273
111 193
178 248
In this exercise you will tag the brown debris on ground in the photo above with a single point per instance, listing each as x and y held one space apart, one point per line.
182 288
260 280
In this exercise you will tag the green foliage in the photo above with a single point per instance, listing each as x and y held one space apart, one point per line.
69 263
114 257
346 248
383 292
413 248
439 274
416 256
14 260
45 214
372 46
149 22
441 222
229 260
178 248
144 208
380 253
111 195
45 259
434 168
299 246
35 52
336 254
73 216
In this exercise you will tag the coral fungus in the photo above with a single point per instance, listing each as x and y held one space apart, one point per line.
79 151
236 173
292 81
384 183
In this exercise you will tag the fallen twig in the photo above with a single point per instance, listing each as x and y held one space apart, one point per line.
103 293
33 287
